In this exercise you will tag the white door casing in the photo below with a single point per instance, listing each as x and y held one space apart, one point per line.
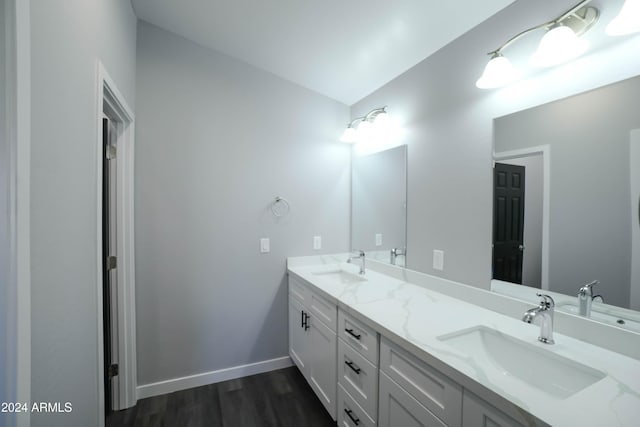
110 102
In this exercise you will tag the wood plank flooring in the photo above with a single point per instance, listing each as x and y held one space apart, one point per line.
278 398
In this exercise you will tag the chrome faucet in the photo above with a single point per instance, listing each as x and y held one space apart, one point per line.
361 258
396 252
542 315
585 298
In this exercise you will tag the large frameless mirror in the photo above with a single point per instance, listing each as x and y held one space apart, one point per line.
379 204
566 203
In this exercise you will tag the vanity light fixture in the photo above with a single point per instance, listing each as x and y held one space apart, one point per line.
362 127
560 43
627 21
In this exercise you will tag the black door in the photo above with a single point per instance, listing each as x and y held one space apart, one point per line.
106 282
508 222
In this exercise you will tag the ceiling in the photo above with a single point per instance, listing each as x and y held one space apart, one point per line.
344 49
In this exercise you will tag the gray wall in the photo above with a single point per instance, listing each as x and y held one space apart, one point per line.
216 142
532 235
448 124
68 37
589 217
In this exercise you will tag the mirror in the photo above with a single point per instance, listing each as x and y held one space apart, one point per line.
378 204
566 201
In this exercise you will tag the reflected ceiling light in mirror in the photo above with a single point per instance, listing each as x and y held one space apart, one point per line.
627 21
498 72
560 43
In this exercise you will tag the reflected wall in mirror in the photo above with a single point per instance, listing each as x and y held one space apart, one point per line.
567 195
379 204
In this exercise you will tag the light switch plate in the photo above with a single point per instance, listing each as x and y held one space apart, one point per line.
265 246
438 259
378 239
317 243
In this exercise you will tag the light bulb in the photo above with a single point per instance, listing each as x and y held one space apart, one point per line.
365 129
627 21
558 45
350 135
498 72
382 119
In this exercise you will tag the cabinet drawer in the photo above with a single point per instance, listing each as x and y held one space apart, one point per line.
323 310
399 408
298 290
350 414
428 386
359 377
359 336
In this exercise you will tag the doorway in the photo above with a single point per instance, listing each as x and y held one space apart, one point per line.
109 262
508 222
116 281
533 244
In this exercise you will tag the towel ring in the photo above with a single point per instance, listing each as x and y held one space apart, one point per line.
280 207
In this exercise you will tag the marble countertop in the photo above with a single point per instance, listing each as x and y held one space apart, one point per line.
413 317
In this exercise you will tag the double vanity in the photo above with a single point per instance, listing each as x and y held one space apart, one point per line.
389 348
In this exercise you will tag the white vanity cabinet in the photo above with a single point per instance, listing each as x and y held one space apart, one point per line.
313 341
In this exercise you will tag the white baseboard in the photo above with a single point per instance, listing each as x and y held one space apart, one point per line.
206 378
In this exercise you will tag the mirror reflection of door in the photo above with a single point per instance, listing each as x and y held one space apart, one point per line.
508 222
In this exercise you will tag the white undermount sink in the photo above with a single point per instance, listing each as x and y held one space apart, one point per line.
340 276
550 373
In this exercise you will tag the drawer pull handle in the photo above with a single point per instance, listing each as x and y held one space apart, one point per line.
356 421
351 365
302 318
353 334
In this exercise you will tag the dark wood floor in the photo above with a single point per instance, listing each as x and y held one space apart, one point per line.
278 398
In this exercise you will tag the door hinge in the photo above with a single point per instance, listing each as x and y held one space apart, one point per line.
111 152
113 370
112 262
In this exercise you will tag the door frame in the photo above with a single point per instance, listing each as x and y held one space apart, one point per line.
545 152
110 101
16 138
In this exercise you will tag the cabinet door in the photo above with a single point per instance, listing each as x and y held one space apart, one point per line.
298 341
322 364
399 408
478 413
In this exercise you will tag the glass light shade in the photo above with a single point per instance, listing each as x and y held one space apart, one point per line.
498 72
627 21
365 130
350 135
382 119
558 45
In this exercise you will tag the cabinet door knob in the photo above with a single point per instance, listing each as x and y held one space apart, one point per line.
353 334
355 420
351 365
